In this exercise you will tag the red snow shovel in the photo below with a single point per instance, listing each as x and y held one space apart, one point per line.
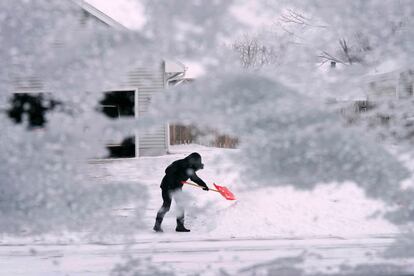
220 189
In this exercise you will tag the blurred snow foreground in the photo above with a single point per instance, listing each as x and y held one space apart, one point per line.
43 184
288 137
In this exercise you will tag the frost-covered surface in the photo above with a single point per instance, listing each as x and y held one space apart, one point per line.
288 136
45 49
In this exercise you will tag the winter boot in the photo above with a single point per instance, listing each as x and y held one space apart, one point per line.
157 226
180 226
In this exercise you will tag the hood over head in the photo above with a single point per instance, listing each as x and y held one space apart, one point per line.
194 160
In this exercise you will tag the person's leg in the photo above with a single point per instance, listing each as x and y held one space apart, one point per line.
166 197
178 197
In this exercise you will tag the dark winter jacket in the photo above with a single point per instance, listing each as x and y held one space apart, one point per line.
182 170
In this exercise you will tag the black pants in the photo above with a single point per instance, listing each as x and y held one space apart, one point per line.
167 196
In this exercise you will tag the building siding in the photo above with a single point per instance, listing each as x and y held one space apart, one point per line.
149 82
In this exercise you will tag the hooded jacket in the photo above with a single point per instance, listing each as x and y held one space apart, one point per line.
182 170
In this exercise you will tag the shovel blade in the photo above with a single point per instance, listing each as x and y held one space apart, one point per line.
225 192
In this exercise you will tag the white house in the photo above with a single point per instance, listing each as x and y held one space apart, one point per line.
389 82
130 98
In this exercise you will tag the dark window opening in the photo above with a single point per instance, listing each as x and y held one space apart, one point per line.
410 89
124 150
118 104
33 106
363 106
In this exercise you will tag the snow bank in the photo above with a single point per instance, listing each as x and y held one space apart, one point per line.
329 210
332 210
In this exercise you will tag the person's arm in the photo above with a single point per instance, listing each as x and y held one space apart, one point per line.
194 177
172 168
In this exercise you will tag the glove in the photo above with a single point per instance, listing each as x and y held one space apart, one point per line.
205 188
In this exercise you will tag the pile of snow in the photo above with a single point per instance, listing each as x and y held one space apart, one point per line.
328 210
332 210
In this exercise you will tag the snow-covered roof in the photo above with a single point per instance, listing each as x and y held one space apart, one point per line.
174 66
98 14
387 70
385 67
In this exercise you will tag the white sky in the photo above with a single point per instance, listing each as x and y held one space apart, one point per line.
249 14
127 12
130 13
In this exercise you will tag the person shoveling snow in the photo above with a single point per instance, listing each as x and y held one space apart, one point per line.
172 183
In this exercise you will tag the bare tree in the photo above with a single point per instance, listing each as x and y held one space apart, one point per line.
254 54
348 51
344 54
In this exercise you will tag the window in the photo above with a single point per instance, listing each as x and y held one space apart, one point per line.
32 106
117 104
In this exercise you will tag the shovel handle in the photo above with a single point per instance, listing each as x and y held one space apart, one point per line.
198 186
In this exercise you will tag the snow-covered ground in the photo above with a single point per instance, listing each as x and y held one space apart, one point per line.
330 226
